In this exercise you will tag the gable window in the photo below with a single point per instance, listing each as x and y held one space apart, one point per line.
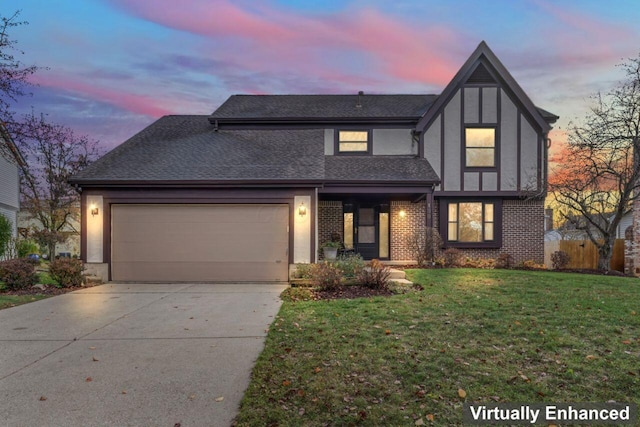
472 223
480 147
353 141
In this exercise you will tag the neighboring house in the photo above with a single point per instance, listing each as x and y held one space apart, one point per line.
262 182
10 163
625 222
69 248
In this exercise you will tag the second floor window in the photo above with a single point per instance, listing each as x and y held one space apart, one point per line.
480 147
353 141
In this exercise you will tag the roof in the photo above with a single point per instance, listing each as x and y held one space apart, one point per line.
379 168
310 107
484 55
184 149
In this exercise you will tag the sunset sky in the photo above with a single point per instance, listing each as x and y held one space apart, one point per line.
114 66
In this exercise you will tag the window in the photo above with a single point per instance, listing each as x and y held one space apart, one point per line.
353 141
471 222
480 147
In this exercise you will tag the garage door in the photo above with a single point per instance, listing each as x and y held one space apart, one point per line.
231 243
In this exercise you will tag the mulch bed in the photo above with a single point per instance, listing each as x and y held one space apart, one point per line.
49 290
349 292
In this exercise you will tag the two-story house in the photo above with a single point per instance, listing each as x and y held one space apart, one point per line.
262 182
10 163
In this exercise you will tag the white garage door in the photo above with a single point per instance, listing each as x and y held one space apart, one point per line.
191 243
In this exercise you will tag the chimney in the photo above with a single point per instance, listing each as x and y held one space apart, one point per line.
359 104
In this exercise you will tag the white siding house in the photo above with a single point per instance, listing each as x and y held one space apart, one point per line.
10 163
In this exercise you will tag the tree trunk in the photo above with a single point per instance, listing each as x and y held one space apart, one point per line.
605 252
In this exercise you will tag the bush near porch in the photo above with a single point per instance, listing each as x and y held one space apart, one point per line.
470 335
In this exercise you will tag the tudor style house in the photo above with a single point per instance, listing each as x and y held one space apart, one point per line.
260 184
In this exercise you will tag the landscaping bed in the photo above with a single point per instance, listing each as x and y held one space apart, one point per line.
468 336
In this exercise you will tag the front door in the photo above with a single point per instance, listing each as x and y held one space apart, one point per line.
366 229
367 232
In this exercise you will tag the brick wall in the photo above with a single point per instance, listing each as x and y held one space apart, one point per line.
402 227
522 232
329 220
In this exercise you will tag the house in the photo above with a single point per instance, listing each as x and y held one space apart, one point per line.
260 184
11 161
70 247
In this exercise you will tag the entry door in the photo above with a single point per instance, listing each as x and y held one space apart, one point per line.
367 232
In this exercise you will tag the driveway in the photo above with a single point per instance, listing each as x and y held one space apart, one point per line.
133 354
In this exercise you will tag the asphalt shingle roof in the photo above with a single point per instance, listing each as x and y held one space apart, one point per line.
323 106
188 149
379 168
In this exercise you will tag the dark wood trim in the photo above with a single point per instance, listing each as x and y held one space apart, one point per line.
442 152
499 136
519 153
281 183
336 141
311 123
83 228
500 194
376 190
539 165
480 175
463 142
421 150
480 119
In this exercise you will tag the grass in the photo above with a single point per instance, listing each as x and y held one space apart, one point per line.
471 335
7 301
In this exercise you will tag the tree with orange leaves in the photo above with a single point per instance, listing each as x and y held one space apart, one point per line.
597 176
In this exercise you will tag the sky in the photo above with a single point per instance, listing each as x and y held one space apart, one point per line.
112 67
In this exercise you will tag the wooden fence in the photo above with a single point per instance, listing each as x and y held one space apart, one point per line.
583 253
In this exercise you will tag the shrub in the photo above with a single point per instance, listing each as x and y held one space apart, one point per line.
504 260
453 258
479 263
6 232
26 247
303 271
425 246
18 274
350 265
326 276
376 276
66 271
560 259
531 265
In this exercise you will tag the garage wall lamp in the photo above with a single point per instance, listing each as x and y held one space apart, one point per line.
94 210
302 209
402 213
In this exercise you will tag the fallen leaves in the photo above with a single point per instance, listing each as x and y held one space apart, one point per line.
42 398
430 417
219 399
462 393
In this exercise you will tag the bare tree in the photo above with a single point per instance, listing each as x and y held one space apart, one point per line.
14 75
54 153
597 178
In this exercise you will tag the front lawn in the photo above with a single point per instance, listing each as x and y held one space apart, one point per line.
474 335
7 301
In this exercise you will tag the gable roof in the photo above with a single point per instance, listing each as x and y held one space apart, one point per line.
322 107
8 148
188 150
484 56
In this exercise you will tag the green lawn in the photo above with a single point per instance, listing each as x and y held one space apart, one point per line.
7 301
475 335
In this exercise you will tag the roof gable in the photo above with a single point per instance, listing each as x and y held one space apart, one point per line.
484 67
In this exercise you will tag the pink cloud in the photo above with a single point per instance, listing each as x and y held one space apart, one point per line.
581 37
139 104
267 38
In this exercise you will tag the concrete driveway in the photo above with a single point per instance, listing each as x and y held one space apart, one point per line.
133 354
